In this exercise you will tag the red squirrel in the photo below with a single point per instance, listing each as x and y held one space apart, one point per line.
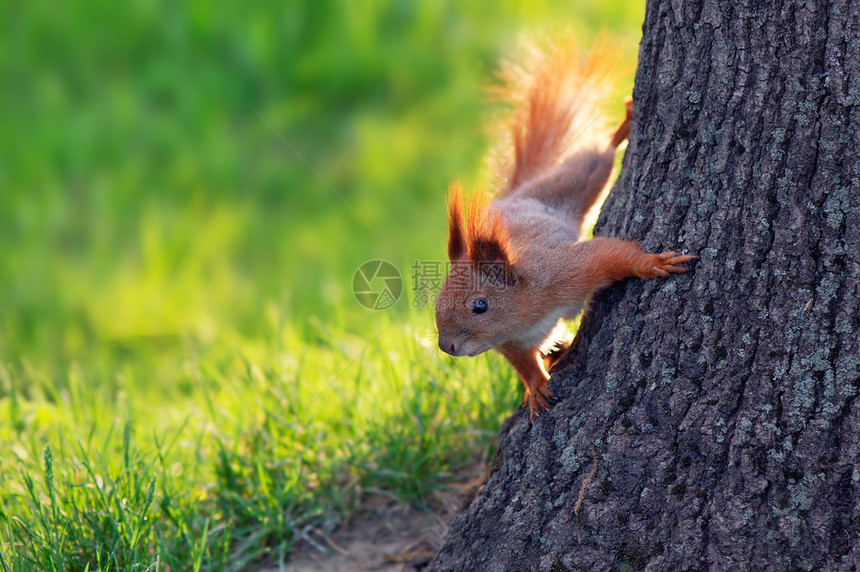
519 265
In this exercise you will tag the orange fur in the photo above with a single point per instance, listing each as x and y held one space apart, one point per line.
553 93
532 228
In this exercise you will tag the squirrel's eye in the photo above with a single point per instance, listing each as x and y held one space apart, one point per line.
480 305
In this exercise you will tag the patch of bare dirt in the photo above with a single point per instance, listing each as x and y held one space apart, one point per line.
385 536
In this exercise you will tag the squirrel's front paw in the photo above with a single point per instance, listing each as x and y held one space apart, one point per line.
663 264
536 397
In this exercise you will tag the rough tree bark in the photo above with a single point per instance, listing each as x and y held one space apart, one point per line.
709 421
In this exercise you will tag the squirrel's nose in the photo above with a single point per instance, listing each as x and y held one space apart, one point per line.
447 347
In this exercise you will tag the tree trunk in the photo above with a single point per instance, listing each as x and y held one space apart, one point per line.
709 421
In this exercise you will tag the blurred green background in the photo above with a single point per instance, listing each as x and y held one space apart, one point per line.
166 251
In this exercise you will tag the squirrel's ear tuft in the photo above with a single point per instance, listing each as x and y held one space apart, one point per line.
488 243
456 236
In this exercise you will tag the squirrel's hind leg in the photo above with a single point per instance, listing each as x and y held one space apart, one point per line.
577 183
597 166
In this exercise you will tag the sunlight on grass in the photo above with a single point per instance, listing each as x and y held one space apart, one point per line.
267 445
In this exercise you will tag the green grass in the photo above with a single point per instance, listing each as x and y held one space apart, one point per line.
186 381
251 457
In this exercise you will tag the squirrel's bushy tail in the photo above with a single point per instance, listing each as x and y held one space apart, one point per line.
554 93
